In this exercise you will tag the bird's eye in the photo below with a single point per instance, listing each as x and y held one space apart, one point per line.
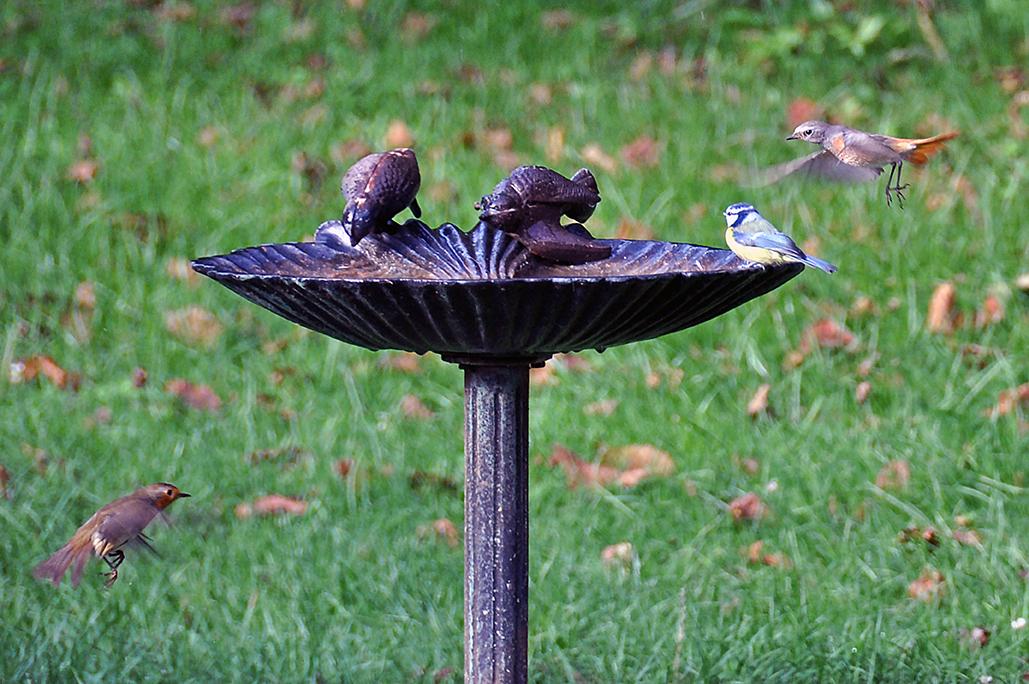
170 493
807 132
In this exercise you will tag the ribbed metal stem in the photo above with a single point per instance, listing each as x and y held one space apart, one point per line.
496 523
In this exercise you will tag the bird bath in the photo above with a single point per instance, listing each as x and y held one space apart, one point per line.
481 300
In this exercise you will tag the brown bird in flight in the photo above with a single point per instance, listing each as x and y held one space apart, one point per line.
116 524
849 155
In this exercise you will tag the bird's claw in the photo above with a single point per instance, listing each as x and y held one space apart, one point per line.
899 191
111 576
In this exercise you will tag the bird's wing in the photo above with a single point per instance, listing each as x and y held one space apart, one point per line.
777 242
122 524
820 165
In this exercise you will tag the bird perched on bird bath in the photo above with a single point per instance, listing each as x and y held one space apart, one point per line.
377 188
850 155
107 531
753 237
529 204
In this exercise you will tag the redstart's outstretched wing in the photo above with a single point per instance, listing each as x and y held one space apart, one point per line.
122 525
820 165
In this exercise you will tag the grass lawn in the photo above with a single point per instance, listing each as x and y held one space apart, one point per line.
137 136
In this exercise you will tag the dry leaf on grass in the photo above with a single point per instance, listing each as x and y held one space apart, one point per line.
604 407
200 397
398 134
941 318
862 391
194 325
758 403
894 475
413 407
976 638
28 369
238 16
912 533
1009 400
343 466
747 507
620 555
991 312
5 483
272 504
415 26
967 537
442 529
282 455
929 586
756 555
557 20
139 377
800 110
83 171
631 229
421 479
40 457
643 152
625 466
594 155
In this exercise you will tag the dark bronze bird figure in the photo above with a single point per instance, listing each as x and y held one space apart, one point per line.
377 188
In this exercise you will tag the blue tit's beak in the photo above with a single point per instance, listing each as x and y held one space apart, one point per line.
792 137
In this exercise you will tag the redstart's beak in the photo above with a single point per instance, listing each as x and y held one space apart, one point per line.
791 137
183 495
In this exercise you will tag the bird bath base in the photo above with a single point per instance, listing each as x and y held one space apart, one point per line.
482 301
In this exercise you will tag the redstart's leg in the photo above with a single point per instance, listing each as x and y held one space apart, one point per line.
897 187
889 182
113 560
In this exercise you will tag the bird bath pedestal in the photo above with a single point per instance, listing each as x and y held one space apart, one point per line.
480 300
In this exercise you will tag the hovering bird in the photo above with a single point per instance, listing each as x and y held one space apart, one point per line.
377 188
849 155
752 237
107 531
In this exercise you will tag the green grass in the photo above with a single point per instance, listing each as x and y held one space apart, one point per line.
348 592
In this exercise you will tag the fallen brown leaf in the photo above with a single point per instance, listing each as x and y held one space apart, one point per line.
398 134
28 369
967 537
802 109
646 457
404 362
421 479
200 397
929 586
894 475
194 326
5 483
238 16
579 472
442 529
84 171
416 25
139 377
594 155
977 637
913 532
755 556
758 403
620 555
1008 400
747 507
557 20
604 407
828 334
343 466
413 407
349 151
862 391
271 504
541 94
991 312
40 457
555 146
863 306
543 376
641 66
941 315
643 152
207 137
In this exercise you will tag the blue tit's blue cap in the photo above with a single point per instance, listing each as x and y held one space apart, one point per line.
738 208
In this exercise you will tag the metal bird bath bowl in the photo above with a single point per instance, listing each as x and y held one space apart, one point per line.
481 300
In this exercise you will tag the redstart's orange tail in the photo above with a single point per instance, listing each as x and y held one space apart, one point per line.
918 150
54 567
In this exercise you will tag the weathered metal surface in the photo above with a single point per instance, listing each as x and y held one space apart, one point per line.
482 294
496 523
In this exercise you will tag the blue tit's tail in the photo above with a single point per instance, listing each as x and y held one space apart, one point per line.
815 262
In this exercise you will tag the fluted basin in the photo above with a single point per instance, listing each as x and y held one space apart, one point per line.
482 294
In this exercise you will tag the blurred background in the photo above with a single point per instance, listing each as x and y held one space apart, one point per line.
827 484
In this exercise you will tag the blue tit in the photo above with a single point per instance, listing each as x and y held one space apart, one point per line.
752 237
